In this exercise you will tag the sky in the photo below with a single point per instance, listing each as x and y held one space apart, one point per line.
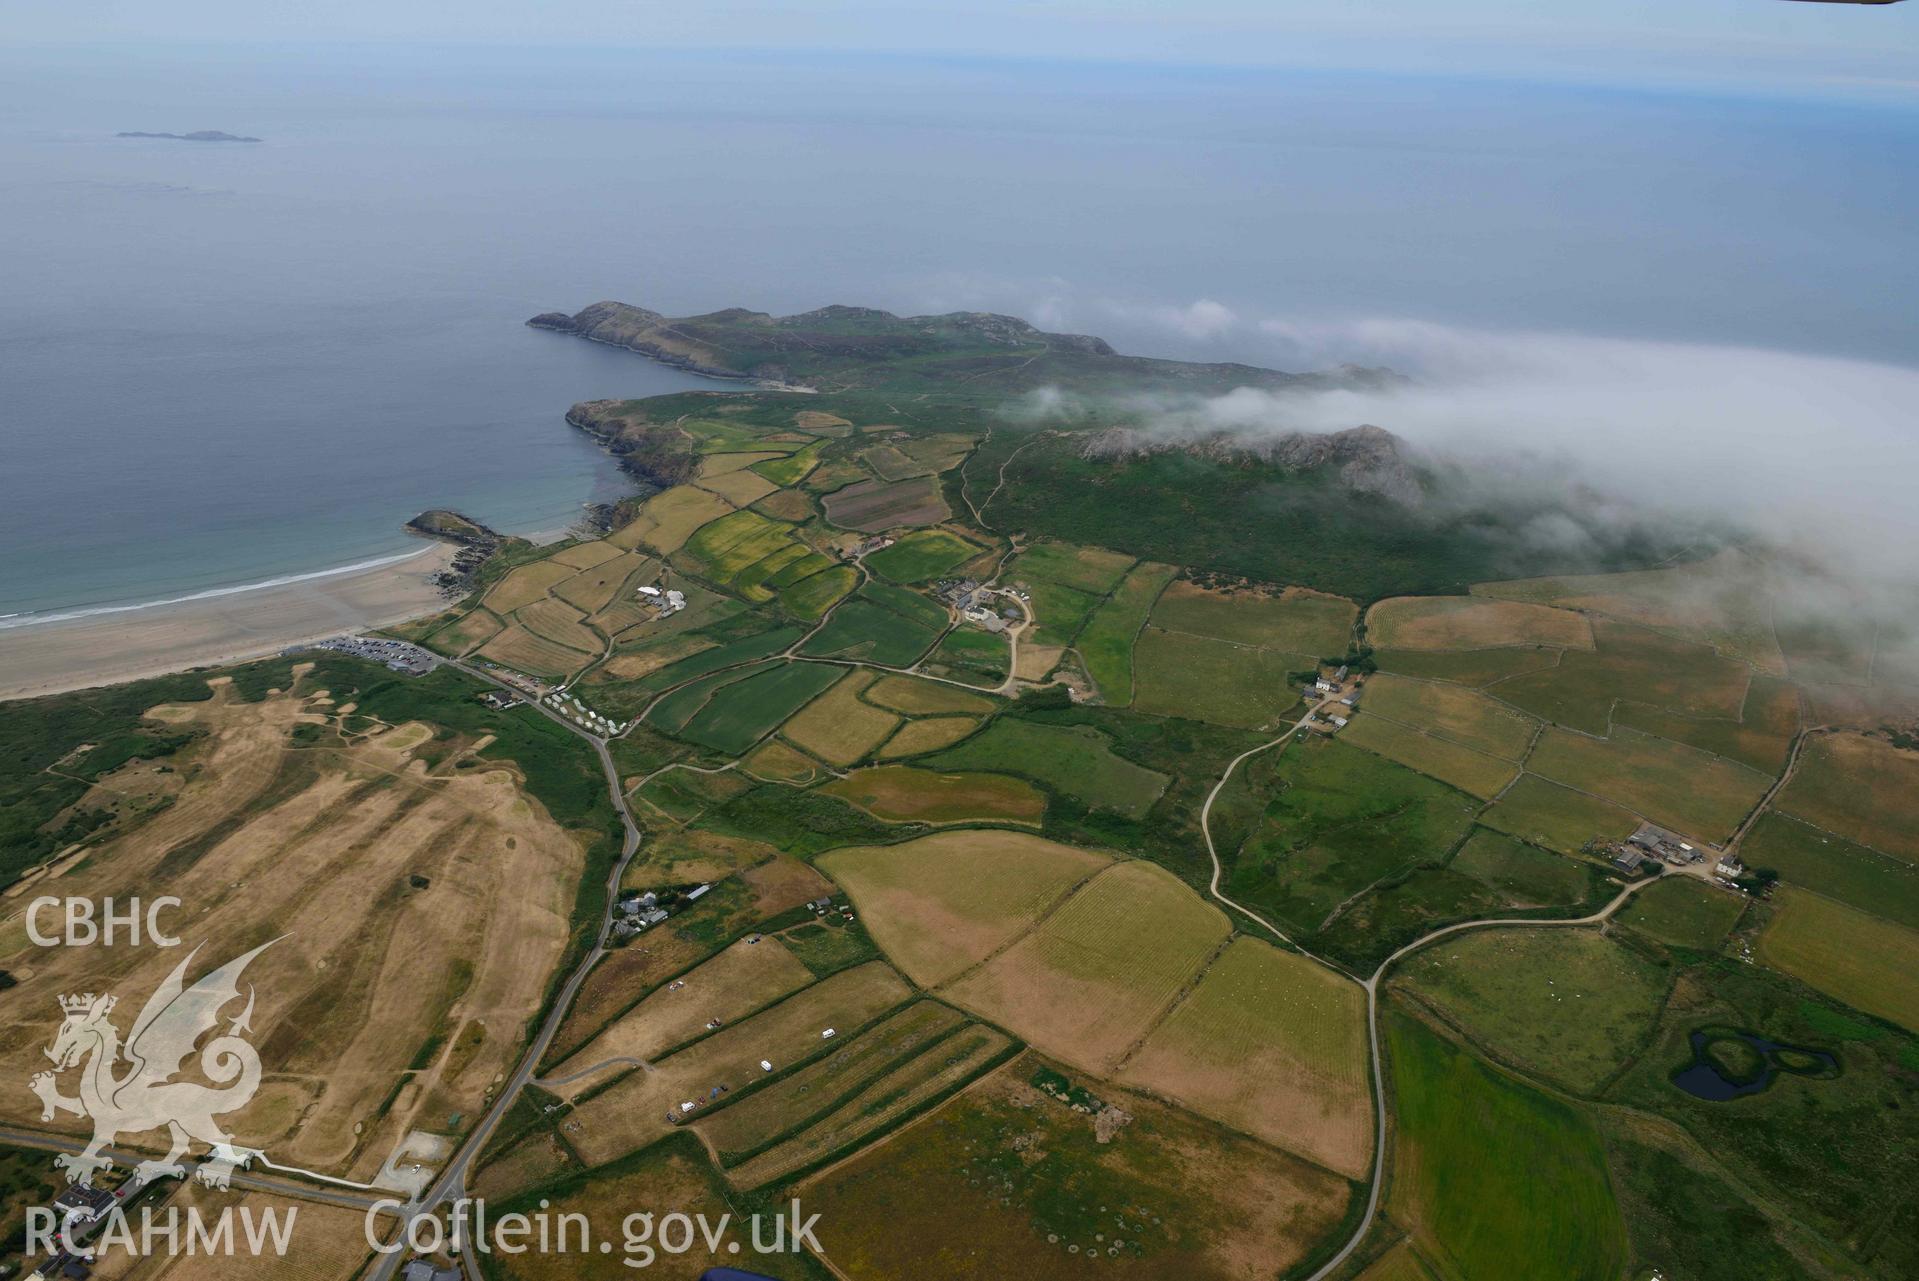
1764 46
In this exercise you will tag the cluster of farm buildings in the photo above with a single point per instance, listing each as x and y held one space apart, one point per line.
1325 687
973 602
1653 844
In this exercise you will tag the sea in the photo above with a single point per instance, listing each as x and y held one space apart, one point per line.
228 364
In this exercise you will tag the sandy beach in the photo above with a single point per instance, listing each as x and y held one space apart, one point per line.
48 658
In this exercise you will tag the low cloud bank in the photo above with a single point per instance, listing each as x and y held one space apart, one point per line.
1814 453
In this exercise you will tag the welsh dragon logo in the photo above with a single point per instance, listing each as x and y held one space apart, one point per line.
129 1088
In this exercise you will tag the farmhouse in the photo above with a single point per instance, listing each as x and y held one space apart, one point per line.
81 1204
427 1270
1730 867
500 700
1324 686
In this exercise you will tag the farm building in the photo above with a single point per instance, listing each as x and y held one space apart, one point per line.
1628 862
1658 842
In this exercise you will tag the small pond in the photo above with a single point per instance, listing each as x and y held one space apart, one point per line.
1730 1064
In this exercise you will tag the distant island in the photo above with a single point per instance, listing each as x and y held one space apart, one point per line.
198 135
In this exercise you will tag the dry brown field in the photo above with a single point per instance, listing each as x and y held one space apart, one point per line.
1473 622
586 555
520 649
903 794
592 590
635 1110
838 726
1093 977
741 488
927 735
728 987
314 848
925 698
526 584
942 903
1273 1045
871 506
559 622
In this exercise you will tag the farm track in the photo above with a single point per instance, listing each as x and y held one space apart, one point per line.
1372 982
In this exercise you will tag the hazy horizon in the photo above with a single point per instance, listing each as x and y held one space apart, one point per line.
361 275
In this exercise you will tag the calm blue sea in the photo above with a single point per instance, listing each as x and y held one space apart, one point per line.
221 364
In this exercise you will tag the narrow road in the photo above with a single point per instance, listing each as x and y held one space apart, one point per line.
1371 983
291 1188
450 1184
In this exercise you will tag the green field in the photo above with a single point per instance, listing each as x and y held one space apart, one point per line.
793 468
1761 738
1571 1005
976 657
1197 678
1469 719
1684 913
672 713
1836 1153
1492 875
1296 622
1106 643
1084 569
811 597
1711 1232
1472 772
762 641
738 715
1525 875
1630 663
1059 611
921 556
1495 1180
1339 821
863 630
1075 760
1675 786
1864 789
1556 817
1835 867
1862 960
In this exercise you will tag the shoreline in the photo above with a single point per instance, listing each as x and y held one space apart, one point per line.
216 628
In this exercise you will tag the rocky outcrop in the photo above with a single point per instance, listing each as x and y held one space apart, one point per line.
1371 460
646 332
655 453
476 543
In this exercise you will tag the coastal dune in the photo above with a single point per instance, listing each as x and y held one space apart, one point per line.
107 648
